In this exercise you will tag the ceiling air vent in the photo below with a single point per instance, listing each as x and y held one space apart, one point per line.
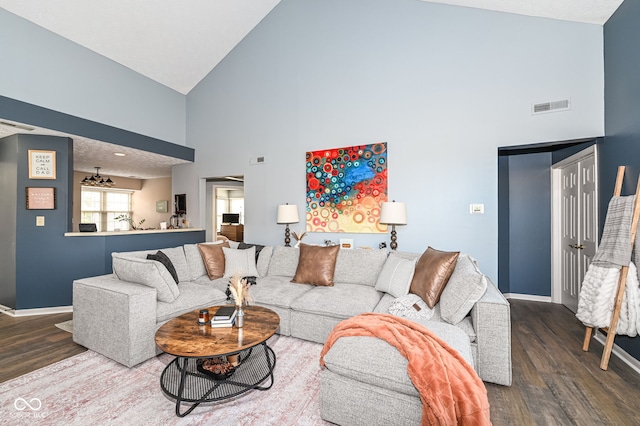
555 106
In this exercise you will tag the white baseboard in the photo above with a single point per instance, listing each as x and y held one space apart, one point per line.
529 297
619 352
36 311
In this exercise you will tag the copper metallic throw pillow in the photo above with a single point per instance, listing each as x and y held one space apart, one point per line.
432 274
213 258
316 265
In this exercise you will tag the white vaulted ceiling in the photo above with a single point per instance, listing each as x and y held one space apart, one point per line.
177 43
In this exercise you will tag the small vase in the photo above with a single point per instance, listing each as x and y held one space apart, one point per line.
240 317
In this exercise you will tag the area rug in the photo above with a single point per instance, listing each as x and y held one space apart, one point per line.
89 389
66 326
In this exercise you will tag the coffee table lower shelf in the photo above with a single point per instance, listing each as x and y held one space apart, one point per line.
182 381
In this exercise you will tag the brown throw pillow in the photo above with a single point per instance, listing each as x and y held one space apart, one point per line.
316 265
213 258
432 274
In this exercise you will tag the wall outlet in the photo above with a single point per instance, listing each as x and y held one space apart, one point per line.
476 208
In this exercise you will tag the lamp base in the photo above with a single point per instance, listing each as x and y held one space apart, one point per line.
394 238
287 236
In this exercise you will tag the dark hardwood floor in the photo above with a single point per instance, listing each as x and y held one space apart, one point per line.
554 381
29 343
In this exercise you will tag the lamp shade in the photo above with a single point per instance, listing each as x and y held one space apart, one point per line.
288 213
393 213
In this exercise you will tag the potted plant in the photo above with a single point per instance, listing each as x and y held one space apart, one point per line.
126 218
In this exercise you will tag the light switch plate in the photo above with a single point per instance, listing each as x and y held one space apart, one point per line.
476 208
39 220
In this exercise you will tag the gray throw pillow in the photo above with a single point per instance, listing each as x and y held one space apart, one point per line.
146 272
395 277
465 287
242 262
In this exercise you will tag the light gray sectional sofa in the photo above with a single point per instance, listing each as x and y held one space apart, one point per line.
117 314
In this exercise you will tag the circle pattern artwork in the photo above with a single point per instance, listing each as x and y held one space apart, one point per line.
345 189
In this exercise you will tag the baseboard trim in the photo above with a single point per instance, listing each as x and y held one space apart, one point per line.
35 311
529 297
619 352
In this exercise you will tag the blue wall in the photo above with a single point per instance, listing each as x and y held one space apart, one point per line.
621 146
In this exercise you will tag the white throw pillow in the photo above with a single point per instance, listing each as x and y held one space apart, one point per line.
465 287
241 262
411 306
395 277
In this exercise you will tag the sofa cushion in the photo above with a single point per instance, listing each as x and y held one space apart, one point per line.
192 296
284 261
277 291
465 287
146 272
395 277
159 256
316 265
241 262
374 361
262 265
433 270
340 301
175 254
359 266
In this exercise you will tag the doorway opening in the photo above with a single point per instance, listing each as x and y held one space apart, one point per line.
526 260
225 208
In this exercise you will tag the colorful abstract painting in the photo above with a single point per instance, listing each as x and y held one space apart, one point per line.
345 189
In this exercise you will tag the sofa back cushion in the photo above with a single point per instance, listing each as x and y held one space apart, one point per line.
136 269
465 287
359 266
284 261
175 254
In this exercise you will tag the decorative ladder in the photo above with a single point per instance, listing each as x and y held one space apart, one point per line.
622 281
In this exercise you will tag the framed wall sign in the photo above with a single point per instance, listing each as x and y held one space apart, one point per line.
41 198
162 206
42 164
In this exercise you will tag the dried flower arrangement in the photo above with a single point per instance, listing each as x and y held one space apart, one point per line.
299 237
239 288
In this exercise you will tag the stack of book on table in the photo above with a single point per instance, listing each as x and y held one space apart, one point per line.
225 316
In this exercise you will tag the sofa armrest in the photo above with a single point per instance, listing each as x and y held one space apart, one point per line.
491 317
115 318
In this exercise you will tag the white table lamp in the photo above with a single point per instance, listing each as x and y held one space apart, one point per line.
287 213
393 214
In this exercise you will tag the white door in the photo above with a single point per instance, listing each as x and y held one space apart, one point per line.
578 225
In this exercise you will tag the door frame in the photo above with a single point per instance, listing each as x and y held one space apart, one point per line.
556 216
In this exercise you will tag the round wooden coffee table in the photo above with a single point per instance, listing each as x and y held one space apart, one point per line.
184 378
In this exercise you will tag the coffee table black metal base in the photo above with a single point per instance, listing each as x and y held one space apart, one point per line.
182 381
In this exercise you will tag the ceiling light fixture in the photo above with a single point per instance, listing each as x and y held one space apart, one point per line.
119 154
97 180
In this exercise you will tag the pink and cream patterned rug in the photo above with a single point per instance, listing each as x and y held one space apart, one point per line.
89 389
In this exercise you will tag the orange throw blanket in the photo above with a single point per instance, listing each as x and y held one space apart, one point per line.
450 390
